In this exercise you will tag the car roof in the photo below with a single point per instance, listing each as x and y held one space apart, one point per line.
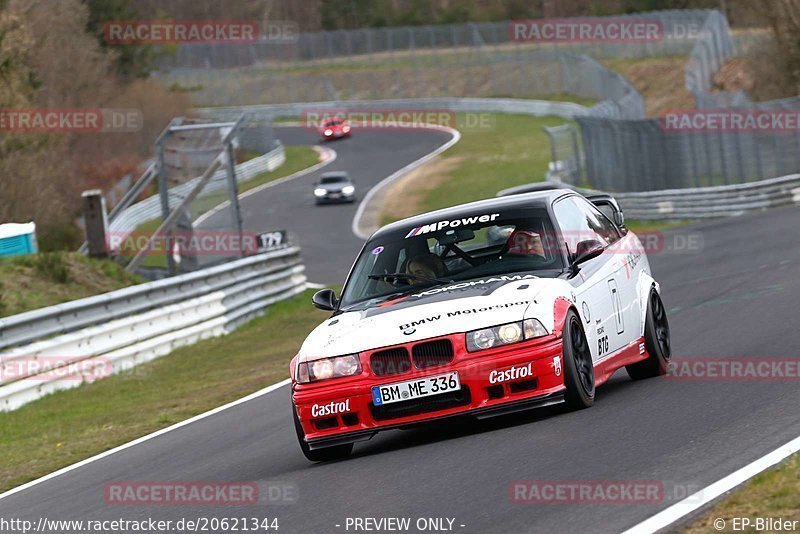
538 199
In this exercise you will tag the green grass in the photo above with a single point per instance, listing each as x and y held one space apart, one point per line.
637 225
47 278
71 425
772 493
297 159
515 151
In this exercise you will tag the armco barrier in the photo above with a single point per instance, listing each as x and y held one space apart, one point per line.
494 105
136 324
708 202
699 202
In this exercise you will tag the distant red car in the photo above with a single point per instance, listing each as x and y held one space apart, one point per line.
334 129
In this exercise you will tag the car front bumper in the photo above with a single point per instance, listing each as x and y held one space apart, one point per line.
336 197
355 417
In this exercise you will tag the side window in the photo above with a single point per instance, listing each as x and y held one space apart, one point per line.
601 224
580 221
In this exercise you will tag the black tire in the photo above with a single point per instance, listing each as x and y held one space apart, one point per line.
657 342
327 454
578 365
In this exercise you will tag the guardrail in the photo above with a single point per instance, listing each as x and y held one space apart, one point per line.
124 328
495 105
709 202
699 202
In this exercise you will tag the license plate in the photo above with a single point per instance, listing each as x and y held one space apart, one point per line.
415 389
335 195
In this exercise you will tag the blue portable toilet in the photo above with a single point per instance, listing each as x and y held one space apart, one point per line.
18 239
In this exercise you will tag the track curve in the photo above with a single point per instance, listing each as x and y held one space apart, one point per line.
323 232
736 297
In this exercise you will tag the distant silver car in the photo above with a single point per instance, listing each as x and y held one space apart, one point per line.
334 187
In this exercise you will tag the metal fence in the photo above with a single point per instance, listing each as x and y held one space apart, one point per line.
643 155
466 60
207 207
709 53
618 149
491 72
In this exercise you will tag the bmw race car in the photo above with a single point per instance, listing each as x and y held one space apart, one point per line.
334 187
480 309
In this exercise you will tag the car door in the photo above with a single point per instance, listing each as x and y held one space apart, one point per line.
599 292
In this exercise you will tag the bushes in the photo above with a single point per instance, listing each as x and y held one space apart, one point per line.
48 60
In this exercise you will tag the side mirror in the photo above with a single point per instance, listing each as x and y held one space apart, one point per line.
619 218
325 299
586 250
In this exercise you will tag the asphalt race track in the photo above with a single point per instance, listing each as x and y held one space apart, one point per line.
736 297
323 232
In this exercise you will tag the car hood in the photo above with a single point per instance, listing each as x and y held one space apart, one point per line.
457 307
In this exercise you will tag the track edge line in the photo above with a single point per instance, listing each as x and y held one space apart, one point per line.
147 437
711 492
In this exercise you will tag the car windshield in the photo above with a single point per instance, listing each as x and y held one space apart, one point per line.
468 247
332 179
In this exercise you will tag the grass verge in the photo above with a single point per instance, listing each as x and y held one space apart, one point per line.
514 151
71 425
47 278
772 493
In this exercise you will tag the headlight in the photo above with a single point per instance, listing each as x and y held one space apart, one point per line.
345 129
326 368
505 334
328 132
319 192
348 190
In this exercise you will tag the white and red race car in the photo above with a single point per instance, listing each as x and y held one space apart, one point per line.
480 309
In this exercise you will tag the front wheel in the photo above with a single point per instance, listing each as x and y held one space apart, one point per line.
327 454
578 365
657 341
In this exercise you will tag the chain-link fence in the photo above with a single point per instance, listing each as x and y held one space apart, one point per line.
545 74
703 148
644 155
617 148
467 60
